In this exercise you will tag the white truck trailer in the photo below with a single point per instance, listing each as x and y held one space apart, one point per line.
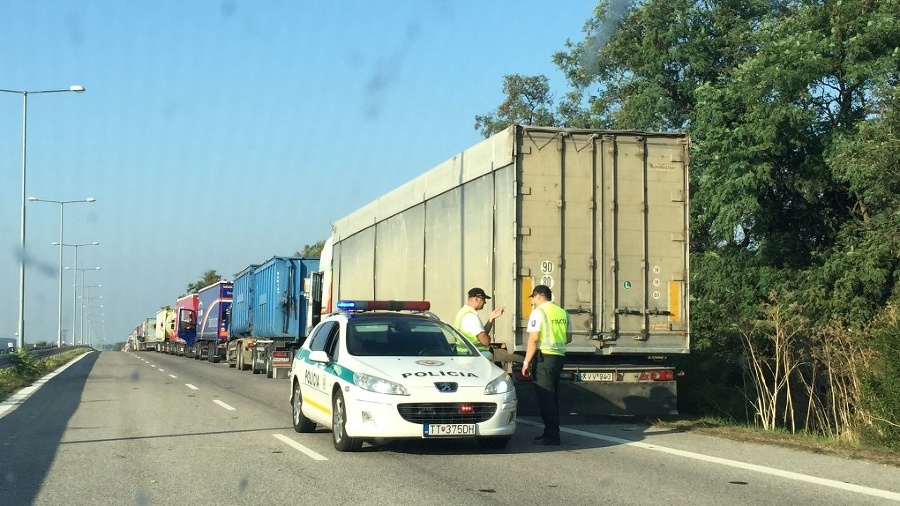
601 217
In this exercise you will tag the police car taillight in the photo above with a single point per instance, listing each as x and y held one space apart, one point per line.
384 305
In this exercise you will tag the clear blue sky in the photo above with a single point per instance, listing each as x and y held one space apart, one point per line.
216 134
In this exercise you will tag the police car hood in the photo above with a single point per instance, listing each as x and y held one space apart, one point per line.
419 371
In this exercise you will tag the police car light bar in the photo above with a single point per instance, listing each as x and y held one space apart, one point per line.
384 305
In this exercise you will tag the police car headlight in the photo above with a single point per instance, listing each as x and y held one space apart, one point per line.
500 385
379 385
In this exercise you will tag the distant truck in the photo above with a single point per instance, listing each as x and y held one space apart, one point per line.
601 217
185 324
270 314
165 329
145 335
213 310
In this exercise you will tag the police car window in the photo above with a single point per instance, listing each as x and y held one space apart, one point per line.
402 337
320 338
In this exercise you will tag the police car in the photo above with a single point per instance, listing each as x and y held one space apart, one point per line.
389 369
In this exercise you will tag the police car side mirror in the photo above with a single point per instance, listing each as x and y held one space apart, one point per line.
320 356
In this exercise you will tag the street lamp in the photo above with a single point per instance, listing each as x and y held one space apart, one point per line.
25 93
75 310
62 205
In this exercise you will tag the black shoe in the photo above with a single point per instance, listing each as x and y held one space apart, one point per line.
541 440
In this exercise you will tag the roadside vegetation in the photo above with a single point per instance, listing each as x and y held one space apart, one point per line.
792 108
27 369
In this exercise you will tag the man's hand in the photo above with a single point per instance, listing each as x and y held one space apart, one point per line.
526 369
497 313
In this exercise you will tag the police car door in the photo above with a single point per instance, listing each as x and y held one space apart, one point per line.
318 377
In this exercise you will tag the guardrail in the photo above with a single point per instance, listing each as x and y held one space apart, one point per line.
6 358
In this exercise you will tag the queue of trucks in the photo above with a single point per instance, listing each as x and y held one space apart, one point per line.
599 216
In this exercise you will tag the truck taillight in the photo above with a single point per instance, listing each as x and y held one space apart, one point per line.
279 354
664 375
251 344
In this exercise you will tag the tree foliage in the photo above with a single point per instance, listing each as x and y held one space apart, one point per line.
311 250
795 183
209 277
528 102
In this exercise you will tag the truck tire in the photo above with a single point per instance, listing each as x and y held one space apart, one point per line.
342 442
301 423
269 372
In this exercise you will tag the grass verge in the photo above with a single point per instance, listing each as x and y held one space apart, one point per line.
28 369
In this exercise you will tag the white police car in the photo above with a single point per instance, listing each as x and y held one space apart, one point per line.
370 372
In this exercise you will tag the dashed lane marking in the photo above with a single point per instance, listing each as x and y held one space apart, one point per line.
226 406
192 387
297 446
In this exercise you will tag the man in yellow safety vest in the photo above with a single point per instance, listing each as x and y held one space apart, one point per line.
469 324
549 331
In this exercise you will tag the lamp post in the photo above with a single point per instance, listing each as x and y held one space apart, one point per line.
74 302
62 206
88 338
25 93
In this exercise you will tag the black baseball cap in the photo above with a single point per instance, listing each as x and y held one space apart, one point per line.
478 292
543 290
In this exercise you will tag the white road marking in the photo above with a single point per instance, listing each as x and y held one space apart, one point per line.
192 387
859 489
226 406
297 446
173 376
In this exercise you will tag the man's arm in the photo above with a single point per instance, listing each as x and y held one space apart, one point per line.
530 352
490 324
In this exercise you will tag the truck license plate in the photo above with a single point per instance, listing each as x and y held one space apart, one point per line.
448 429
596 376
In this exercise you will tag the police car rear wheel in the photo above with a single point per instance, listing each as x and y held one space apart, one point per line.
301 423
342 442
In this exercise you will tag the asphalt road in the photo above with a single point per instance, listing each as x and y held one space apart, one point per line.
144 428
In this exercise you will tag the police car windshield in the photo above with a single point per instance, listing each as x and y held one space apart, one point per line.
407 337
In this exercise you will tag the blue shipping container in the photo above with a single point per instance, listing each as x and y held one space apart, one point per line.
280 304
242 302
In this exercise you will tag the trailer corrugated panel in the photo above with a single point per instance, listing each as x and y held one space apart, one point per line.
599 216
281 305
242 302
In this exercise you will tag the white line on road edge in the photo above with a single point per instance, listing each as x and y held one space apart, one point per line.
226 406
859 489
192 387
290 442
10 404
173 376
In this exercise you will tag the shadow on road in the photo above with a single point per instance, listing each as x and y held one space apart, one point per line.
30 436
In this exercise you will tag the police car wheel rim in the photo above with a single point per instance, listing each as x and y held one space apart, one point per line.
298 402
338 421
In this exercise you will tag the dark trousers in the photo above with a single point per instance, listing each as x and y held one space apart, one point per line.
546 388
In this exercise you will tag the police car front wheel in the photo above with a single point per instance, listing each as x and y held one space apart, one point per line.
342 442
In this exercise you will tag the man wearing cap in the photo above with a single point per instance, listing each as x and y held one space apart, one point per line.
549 331
469 324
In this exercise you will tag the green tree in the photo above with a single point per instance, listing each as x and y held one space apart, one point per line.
311 250
528 102
209 277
